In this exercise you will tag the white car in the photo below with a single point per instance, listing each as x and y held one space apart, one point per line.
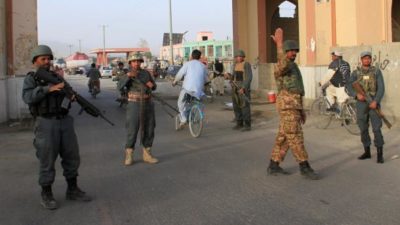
106 72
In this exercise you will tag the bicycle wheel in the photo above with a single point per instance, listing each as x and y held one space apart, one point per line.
195 121
349 116
319 114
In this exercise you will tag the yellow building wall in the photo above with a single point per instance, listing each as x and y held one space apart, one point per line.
346 22
323 25
252 28
303 42
369 22
242 22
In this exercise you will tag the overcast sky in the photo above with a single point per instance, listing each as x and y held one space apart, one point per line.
64 22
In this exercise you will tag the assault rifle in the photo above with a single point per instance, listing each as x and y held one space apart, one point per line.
164 103
237 89
45 76
359 89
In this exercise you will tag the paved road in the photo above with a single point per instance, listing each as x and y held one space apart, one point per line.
219 178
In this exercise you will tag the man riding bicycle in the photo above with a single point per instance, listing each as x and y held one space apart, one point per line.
335 81
195 74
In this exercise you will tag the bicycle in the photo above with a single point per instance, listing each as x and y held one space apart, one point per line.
195 115
322 113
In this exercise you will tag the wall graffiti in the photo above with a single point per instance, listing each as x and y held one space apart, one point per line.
382 63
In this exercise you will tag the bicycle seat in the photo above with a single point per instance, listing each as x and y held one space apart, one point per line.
189 98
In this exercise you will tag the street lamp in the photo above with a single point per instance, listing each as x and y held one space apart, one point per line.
80 46
104 44
70 49
170 33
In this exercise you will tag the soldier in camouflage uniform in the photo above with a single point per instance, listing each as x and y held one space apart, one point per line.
118 74
290 108
140 116
54 129
371 79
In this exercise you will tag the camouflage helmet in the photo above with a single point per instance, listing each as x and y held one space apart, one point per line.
41 50
290 45
136 56
240 53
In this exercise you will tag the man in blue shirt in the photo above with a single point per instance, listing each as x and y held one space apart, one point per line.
195 76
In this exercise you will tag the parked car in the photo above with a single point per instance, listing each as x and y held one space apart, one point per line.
106 72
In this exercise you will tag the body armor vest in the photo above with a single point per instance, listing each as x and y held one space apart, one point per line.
239 74
51 104
137 83
291 80
367 79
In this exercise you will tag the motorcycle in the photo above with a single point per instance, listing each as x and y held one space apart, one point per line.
95 88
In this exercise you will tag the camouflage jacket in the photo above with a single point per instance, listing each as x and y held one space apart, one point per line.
289 82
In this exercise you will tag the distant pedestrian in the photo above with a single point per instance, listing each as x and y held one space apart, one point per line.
218 81
54 129
289 104
371 80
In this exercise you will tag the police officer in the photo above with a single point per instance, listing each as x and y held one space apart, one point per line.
54 129
241 80
290 108
118 74
140 116
371 79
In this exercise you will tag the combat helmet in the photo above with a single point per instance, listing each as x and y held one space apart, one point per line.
240 53
136 56
290 45
41 50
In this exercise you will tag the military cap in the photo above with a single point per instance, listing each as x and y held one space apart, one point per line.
136 56
365 53
41 50
240 53
290 45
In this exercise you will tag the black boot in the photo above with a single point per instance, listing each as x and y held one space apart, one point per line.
247 126
380 155
275 170
239 125
307 171
75 193
366 154
48 201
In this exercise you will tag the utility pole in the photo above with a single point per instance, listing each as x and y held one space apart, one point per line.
170 33
104 45
80 46
70 49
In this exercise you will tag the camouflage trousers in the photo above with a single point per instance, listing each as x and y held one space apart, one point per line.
290 135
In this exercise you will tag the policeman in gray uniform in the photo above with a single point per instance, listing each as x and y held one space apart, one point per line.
140 116
371 79
54 129
241 78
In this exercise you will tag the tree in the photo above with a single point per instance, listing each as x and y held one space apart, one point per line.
143 43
